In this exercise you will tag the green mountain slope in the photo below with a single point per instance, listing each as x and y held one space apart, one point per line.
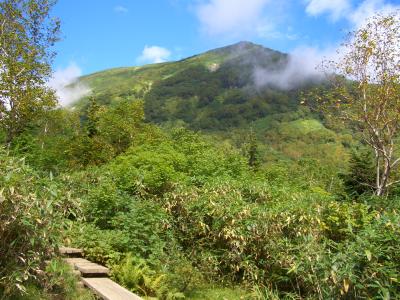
216 92
213 90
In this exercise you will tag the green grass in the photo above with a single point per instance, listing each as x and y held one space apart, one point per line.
306 126
218 293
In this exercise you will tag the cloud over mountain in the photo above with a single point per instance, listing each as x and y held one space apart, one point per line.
65 83
154 54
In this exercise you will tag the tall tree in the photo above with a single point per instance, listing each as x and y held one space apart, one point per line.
252 153
365 91
27 34
92 117
120 123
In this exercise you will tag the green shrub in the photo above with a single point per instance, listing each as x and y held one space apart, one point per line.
103 246
61 282
32 217
146 226
104 201
135 274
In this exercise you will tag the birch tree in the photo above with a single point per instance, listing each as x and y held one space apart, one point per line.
27 33
365 92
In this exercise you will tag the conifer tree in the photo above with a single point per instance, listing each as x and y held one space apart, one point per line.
253 154
92 117
360 179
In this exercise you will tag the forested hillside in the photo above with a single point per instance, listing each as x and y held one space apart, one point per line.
217 92
214 90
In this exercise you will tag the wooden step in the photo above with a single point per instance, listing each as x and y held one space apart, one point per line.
72 252
92 270
72 261
107 289
87 268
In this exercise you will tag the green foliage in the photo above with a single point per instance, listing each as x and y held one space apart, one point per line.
183 157
92 117
209 292
102 246
275 239
175 213
136 275
184 207
252 151
27 35
106 133
32 215
62 282
211 91
145 226
119 124
361 176
103 202
58 140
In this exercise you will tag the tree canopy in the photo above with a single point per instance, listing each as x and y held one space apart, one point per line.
27 33
365 91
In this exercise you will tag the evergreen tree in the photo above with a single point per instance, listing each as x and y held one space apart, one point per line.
361 176
92 117
253 153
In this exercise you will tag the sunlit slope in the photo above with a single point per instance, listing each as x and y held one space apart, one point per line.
216 92
213 90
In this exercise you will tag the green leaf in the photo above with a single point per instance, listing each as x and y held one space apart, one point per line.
368 254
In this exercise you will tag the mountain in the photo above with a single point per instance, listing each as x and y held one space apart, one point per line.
215 90
220 92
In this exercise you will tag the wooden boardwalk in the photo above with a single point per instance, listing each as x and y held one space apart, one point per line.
95 276
107 289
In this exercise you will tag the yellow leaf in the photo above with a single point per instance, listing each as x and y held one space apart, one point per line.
346 285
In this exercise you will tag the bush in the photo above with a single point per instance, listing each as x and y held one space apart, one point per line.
301 243
32 212
62 283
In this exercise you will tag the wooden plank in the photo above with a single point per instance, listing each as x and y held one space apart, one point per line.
87 268
69 251
74 261
92 269
107 289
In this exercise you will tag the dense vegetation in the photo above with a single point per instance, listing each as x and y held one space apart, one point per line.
176 214
268 201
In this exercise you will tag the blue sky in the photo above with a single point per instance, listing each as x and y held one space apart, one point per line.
102 34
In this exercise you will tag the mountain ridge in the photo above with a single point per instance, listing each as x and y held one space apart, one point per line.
214 90
239 46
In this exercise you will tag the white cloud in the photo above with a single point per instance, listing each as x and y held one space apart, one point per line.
368 8
65 83
120 9
342 9
303 65
232 17
334 8
154 54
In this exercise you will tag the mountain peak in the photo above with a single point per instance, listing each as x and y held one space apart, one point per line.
243 47
239 46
